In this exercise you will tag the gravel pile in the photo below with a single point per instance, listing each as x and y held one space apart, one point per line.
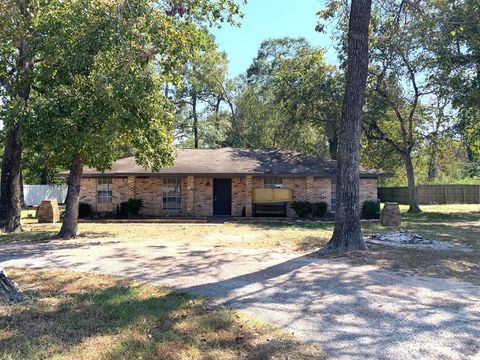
405 238
402 237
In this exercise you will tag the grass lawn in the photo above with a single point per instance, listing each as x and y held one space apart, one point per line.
455 223
72 315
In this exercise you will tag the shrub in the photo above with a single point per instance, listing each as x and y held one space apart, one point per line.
320 209
303 209
134 206
122 209
84 210
371 210
131 207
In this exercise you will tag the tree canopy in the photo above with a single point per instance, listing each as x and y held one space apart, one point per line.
93 79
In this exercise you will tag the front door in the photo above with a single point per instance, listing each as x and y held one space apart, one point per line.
222 197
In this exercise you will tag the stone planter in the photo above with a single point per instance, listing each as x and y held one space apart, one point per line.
391 215
48 212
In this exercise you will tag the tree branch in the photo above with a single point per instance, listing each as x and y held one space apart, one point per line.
414 104
379 135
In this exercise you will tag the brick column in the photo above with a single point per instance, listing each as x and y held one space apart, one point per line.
248 196
310 189
131 187
190 195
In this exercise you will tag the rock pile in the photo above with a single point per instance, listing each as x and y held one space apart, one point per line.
405 238
401 237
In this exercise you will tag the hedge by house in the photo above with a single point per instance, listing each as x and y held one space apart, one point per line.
371 210
131 207
306 209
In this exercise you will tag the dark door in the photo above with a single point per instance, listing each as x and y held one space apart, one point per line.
222 197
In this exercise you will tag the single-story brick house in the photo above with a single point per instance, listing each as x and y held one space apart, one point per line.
220 182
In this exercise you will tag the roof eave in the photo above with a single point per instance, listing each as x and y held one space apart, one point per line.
126 174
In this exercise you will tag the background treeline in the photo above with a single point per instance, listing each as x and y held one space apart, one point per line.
421 117
420 121
83 83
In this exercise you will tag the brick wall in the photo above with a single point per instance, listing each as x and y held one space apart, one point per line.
149 190
88 192
203 196
200 200
238 196
257 182
299 191
184 195
322 190
368 190
189 194
120 192
313 189
318 189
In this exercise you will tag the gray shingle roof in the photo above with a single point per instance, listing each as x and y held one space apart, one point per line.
232 161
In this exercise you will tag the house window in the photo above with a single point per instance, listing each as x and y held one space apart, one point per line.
333 195
104 191
273 183
172 198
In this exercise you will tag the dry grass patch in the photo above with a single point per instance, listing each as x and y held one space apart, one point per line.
289 236
457 223
75 315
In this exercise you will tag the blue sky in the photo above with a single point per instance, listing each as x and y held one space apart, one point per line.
264 19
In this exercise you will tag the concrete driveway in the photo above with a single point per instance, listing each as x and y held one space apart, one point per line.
352 312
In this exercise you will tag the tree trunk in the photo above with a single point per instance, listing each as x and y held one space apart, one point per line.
470 152
70 218
412 189
217 110
10 202
238 138
10 192
333 147
8 289
432 166
347 234
195 120
44 177
22 196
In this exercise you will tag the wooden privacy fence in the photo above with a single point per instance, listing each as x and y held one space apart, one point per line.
433 194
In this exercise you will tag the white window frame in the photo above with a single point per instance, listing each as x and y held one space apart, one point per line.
274 182
172 194
104 190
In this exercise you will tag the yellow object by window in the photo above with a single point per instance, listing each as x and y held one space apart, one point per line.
265 196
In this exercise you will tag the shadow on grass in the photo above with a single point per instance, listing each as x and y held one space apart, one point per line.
307 225
442 217
46 236
85 316
347 304
28 236
462 228
312 243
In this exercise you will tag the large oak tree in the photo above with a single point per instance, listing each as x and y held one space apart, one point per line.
347 233
105 66
18 20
